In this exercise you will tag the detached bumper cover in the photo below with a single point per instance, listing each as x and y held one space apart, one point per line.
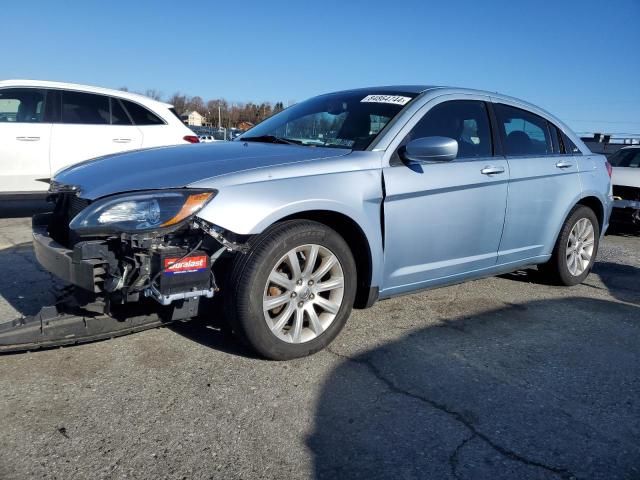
68 265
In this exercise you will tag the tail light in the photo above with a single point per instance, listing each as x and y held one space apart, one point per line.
609 167
191 139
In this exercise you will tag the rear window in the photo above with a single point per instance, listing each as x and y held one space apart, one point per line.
627 157
525 133
85 108
140 115
570 147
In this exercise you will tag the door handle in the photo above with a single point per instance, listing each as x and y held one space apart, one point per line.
564 164
491 170
28 139
121 140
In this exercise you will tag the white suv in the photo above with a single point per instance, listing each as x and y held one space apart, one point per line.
45 126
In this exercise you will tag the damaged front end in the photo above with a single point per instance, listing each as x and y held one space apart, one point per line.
142 252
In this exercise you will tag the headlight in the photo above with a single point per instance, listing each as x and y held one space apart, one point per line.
140 212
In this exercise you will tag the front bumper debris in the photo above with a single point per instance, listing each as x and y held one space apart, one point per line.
72 321
72 266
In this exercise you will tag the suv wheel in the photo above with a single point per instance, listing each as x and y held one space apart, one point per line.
293 292
575 249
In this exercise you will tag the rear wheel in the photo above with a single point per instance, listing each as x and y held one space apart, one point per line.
293 292
576 248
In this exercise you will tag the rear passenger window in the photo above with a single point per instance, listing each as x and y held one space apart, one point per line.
570 147
22 105
466 121
118 115
85 108
524 132
140 115
555 139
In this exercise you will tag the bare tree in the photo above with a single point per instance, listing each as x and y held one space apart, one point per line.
179 102
231 113
153 93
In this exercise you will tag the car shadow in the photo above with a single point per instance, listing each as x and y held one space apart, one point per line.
620 280
211 330
623 230
544 389
25 287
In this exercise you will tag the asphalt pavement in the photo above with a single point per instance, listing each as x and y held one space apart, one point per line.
505 377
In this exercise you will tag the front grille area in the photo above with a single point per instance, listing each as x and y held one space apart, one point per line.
76 205
626 193
68 205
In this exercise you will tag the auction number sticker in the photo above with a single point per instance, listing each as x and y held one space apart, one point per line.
395 99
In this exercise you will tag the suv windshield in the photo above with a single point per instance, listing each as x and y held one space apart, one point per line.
350 120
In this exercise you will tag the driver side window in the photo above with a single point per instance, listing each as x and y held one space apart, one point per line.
466 121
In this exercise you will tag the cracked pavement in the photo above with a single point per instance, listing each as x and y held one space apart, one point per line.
504 377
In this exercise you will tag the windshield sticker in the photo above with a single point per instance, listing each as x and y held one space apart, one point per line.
395 99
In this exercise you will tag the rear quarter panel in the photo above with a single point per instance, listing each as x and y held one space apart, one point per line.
596 183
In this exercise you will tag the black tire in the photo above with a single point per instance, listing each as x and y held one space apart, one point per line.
248 277
556 271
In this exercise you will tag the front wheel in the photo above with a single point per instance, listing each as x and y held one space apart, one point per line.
293 292
576 248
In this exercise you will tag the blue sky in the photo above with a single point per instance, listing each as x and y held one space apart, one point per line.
578 59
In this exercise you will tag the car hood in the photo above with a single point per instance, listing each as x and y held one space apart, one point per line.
629 177
179 166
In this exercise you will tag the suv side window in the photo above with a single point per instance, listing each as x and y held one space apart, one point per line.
466 121
118 115
140 115
85 108
525 133
22 105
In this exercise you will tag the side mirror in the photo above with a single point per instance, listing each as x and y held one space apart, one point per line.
430 149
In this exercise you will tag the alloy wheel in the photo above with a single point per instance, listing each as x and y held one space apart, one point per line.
303 293
580 244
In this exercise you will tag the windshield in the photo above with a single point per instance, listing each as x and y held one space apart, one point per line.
627 157
350 120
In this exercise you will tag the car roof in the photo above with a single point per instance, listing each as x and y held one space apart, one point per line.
136 97
387 89
418 89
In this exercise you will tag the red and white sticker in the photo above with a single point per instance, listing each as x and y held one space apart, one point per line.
395 99
189 264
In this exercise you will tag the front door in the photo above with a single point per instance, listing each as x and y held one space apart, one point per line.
444 219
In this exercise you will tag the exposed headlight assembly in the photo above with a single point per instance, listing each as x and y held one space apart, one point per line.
140 212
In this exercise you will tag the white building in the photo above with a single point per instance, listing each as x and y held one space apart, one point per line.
193 119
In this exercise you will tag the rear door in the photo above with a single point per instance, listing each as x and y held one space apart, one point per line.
90 126
444 219
544 182
25 134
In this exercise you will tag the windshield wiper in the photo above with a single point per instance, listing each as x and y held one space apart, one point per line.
271 139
